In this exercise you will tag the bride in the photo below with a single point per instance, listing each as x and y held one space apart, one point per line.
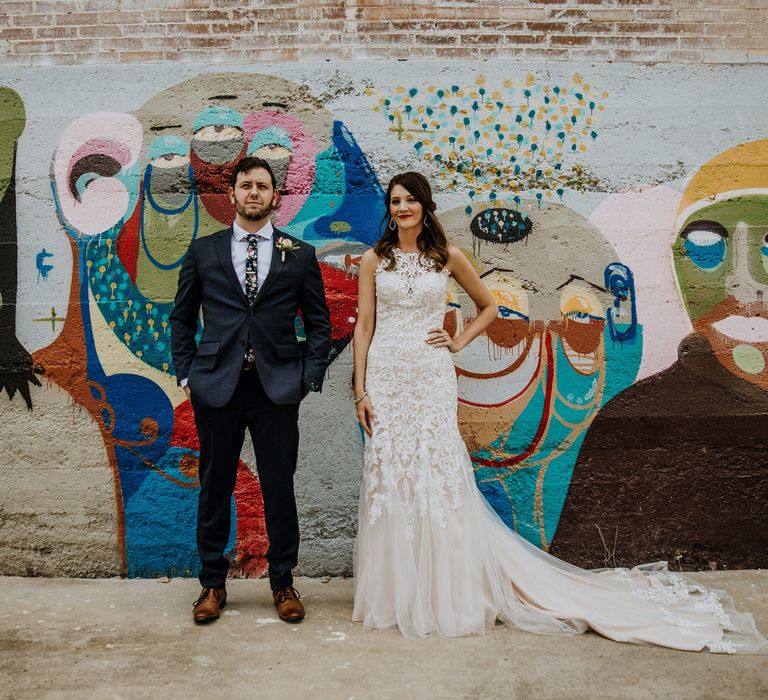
431 555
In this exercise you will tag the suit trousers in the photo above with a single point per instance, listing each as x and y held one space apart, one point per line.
275 434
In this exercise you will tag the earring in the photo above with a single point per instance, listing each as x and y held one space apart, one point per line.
392 225
426 222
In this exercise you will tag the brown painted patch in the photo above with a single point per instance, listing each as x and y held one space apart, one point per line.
675 468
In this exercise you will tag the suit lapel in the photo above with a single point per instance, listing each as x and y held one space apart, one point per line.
275 267
223 245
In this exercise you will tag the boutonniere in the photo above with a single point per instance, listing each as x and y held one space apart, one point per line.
286 245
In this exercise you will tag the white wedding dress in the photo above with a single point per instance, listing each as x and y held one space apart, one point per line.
433 557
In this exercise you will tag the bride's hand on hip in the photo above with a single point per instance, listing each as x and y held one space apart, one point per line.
365 416
441 338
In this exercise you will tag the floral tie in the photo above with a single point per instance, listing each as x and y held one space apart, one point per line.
252 267
251 280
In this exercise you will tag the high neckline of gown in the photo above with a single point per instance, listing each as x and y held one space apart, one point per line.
403 252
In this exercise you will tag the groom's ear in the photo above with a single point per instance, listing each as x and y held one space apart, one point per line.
231 193
276 199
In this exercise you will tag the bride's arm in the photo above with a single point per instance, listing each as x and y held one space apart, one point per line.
462 271
361 340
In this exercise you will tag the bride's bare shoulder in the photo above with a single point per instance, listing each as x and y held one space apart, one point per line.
369 258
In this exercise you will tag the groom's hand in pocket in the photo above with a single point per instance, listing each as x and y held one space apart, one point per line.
364 412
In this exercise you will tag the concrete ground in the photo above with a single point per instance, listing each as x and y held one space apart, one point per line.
112 638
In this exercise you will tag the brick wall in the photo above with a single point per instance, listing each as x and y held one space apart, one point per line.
68 32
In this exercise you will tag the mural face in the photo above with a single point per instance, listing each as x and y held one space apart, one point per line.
566 339
721 258
132 191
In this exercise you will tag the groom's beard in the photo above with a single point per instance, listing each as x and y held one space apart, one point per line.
256 212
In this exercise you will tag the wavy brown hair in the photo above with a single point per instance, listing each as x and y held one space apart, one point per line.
431 241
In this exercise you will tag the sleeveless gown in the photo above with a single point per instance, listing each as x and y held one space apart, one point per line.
432 557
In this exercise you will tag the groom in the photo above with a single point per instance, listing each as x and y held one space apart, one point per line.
249 370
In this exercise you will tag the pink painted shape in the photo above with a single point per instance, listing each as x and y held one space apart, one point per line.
106 200
301 170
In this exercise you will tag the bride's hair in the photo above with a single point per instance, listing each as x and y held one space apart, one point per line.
431 241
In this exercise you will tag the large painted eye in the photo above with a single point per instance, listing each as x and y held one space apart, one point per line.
218 132
580 306
705 243
168 152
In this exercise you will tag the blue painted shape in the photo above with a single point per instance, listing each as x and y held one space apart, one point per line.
346 201
43 268
167 146
268 136
516 490
156 542
707 257
217 115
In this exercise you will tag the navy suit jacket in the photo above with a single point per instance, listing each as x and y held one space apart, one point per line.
285 366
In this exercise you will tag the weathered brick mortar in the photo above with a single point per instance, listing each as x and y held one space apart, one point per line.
67 32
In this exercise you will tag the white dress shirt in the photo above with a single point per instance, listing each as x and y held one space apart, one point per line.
239 250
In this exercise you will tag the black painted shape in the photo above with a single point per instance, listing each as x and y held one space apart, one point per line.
499 225
17 370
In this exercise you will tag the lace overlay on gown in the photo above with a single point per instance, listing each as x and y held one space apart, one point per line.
433 557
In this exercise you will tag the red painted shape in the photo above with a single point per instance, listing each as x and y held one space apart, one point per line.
341 295
251 541
127 243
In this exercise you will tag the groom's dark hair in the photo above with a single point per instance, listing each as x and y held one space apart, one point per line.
248 163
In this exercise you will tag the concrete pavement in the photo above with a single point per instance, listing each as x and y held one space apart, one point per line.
113 638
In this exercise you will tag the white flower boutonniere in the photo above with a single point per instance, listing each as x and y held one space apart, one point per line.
286 245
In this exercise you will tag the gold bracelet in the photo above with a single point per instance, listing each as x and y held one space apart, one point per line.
365 393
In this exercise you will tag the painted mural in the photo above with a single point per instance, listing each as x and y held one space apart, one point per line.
568 447
131 192
499 141
17 371
692 482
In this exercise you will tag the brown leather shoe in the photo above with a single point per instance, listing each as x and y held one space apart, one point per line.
289 607
208 605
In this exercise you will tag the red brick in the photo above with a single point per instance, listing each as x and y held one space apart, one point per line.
569 40
163 16
76 18
30 47
117 17
76 45
97 30
664 42
637 28
208 42
140 56
33 20
143 30
208 15
545 53
686 56
594 27
548 27
20 33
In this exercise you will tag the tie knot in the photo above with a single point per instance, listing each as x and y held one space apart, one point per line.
252 237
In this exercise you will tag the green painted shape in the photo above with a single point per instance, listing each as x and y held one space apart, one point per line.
13 118
748 359
704 289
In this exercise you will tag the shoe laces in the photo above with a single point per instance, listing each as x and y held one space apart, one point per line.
204 594
285 593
